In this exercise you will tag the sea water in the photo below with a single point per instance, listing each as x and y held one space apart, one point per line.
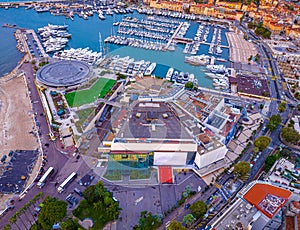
85 33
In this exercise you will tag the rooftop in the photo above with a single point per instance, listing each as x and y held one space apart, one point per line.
64 73
239 214
153 120
267 198
252 85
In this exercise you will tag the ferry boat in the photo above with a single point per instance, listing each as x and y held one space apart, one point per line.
169 74
150 69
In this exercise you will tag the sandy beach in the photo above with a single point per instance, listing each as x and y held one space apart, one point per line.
16 119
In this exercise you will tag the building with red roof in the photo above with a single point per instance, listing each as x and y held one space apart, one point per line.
267 198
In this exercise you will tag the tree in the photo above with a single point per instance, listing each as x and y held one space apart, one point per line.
257 58
250 58
53 211
271 159
285 153
97 201
262 142
69 224
255 149
282 107
265 94
7 227
148 221
274 121
189 85
241 169
188 219
290 135
176 225
198 209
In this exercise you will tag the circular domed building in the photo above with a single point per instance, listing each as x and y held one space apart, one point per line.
64 73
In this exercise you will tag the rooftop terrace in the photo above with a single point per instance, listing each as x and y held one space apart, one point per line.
153 120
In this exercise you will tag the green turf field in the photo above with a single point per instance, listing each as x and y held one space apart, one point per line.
98 90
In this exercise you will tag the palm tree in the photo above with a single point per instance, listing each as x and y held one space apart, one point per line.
188 219
7 227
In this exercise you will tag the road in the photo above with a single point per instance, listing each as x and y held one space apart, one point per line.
276 92
62 163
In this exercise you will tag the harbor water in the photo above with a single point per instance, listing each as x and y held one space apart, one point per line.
85 33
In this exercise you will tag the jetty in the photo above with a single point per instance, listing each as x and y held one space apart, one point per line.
173 36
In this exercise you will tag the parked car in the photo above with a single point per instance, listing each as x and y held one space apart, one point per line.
72 200
187 206
77 190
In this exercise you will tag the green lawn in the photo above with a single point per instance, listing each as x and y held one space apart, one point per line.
98 90
83 116
113 175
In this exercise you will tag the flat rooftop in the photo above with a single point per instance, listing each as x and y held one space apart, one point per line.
240 215
252 85
153 120
267 198
216 120
64 73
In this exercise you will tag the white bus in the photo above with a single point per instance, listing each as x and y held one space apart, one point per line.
67 181
45 177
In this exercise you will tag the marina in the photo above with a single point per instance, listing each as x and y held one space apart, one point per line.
150 41
79 54
54 37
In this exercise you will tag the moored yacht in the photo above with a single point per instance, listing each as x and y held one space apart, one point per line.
150 69
169 74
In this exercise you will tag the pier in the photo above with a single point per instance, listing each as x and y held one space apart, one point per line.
183 40
207 43
173 36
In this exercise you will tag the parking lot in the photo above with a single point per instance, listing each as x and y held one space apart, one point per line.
32 45
16 171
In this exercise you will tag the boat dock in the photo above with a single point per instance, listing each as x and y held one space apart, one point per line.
172 37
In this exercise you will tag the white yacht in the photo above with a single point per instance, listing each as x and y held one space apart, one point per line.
109 11
197 60
150 69
169 74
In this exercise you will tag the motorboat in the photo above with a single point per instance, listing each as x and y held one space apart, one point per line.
169 74
150 69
